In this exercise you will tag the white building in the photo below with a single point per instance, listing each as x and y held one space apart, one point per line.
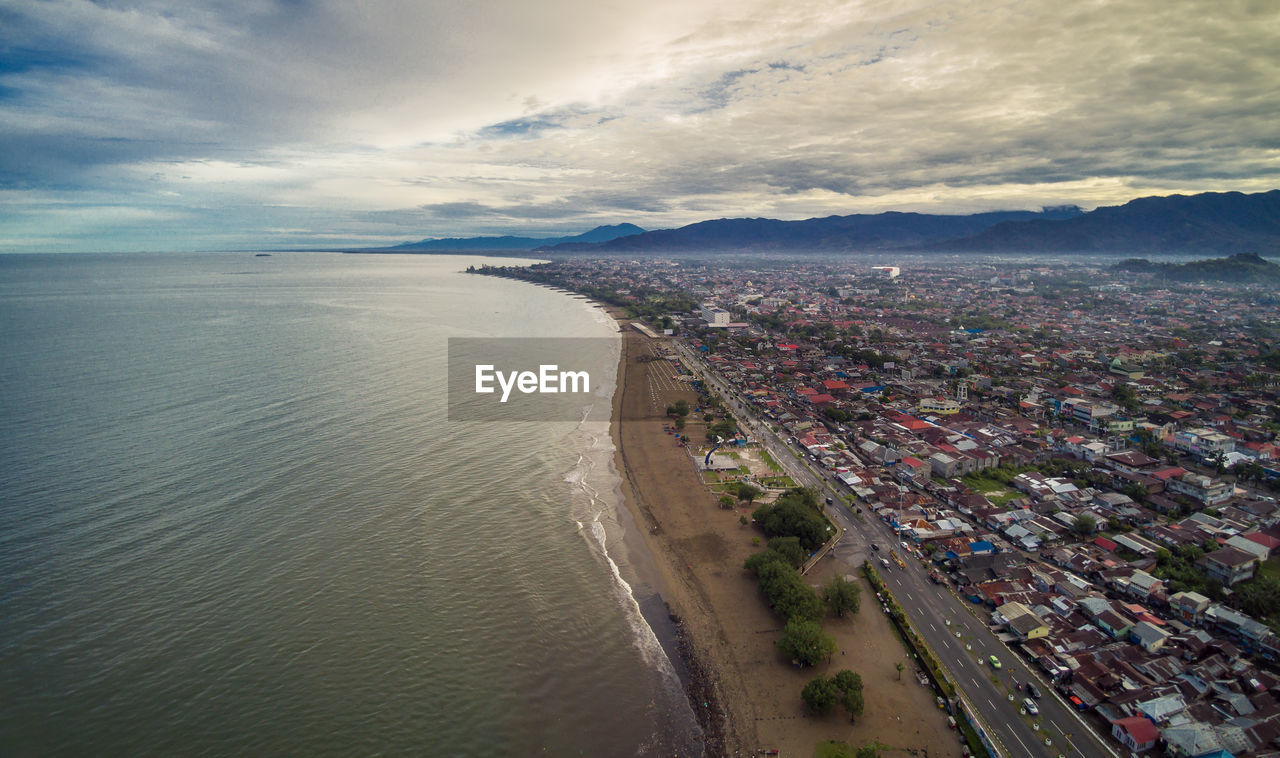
1202 442
715 316
885 272
1201 488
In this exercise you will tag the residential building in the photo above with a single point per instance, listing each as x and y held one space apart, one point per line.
1135 732
1230 565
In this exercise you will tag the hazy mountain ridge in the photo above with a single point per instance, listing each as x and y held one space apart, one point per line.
881 231
507 242
1211 222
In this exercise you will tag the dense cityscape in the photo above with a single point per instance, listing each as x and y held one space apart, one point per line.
1086 453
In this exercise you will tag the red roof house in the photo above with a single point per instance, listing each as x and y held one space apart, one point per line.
1136 733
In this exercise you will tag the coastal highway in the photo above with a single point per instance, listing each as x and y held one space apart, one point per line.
954 629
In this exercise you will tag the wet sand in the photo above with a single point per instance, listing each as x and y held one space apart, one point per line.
746 696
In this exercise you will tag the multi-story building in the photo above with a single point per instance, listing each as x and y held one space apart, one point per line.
1200 488
1201 442
715 316
1230 565
939 405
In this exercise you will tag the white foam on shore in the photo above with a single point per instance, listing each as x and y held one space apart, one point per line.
598 512
596 486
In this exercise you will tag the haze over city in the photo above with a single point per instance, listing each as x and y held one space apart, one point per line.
152 125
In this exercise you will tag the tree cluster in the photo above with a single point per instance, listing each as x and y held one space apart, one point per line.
795 514
724 429
804 642
842 596
1259 597
823 692
787 592
1179 569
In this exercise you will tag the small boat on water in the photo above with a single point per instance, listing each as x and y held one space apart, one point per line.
262 255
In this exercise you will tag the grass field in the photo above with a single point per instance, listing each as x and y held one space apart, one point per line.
769 461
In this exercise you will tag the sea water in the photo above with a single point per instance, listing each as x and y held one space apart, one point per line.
234 519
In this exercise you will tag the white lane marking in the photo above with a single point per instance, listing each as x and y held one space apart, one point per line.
1020 742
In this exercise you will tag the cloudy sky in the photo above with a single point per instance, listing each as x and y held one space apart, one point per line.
165 125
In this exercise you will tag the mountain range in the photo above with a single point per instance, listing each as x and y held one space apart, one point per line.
859 232
597 235
1212 222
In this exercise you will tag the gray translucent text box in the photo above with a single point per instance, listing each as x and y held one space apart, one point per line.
513 379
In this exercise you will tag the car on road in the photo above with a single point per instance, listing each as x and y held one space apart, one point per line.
1031 706
885 562
874 546
1033 691
995 662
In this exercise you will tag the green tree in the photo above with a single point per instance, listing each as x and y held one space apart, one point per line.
805 642
1084 524
841 595
850 684
747 493
1125 397
789 547
793 598
727 501
787 592
899 667
795 514
1259 597
724 428
820 695
756 562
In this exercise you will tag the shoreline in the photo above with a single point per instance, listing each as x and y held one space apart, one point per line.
706 610
698 675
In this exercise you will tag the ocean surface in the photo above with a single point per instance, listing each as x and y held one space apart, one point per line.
235 520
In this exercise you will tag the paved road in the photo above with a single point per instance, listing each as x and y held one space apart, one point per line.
953 628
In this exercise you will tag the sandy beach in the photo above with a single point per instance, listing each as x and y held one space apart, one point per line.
747 697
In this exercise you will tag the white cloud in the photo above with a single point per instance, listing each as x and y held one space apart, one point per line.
554 115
